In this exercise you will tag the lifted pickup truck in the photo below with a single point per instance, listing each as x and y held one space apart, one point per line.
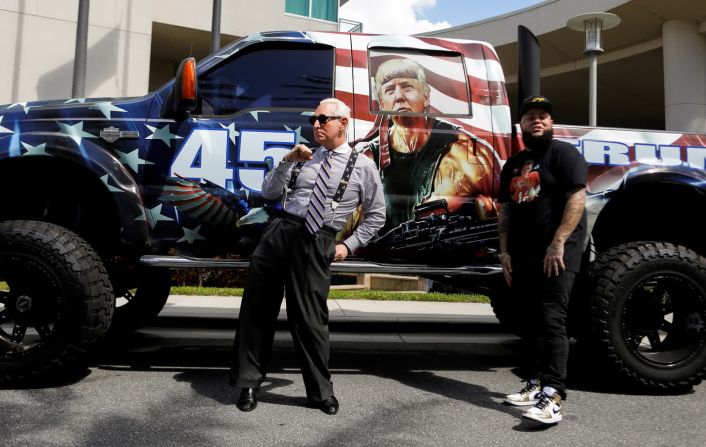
101 197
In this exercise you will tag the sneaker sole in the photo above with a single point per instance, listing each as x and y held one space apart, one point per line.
524 403
556 419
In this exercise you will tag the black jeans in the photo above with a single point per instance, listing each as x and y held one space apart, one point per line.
545 302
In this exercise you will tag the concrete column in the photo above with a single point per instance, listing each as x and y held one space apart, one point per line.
684 52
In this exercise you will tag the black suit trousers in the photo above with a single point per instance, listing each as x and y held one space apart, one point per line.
287 262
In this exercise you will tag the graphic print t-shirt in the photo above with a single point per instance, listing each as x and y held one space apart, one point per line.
537 186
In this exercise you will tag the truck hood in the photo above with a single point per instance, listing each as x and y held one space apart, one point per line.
26 106
75 109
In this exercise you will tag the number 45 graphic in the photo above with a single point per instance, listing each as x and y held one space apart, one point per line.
204 155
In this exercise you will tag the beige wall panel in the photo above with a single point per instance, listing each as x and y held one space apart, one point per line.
684 76
118 63
59 9
24 6
186 13
40 58
42 55
127 15
238 17
10 24
132 15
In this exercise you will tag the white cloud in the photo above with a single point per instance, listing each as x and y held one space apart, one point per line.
391 16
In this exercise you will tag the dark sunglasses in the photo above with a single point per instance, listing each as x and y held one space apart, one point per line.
322 119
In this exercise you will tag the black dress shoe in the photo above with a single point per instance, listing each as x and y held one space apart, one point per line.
329 406
247 401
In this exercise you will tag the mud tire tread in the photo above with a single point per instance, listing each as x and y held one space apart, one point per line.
86 286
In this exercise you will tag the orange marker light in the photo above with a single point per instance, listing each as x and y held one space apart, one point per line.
188 80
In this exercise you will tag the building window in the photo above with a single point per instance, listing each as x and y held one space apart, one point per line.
317 9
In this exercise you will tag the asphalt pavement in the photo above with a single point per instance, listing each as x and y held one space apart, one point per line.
406 374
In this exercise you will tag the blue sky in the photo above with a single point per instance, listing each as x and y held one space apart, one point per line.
458 12
415 16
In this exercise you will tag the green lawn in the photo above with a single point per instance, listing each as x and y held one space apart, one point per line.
355 294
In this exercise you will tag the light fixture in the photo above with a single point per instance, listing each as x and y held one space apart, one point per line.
592 24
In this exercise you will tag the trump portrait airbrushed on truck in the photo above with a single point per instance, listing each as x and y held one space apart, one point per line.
102 197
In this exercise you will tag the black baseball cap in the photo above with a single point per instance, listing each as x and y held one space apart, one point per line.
536 102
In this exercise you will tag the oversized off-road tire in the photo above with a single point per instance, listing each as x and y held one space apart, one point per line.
649 313
138 306
56 301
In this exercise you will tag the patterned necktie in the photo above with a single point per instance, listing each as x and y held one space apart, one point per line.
317 203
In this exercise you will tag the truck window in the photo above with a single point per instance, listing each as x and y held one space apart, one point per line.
408 82
269 75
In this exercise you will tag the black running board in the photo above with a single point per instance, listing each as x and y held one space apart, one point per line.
176 262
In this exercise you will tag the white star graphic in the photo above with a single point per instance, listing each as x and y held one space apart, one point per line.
232 133
133 160
111 188
106 107
191 235
4 129
21 104
298 131
35 150
78 100
161 134
153 215
75 132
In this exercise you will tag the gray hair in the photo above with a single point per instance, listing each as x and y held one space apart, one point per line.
341 109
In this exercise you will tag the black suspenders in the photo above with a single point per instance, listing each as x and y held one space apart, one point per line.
342 185
344 180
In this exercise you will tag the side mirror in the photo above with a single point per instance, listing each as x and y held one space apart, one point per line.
184 96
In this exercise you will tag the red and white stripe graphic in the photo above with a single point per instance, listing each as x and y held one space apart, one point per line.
610 152
450 86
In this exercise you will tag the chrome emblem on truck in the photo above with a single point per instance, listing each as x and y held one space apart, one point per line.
113 134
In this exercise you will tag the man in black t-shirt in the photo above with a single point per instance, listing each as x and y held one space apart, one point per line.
542 226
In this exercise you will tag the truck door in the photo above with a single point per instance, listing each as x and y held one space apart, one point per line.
254 106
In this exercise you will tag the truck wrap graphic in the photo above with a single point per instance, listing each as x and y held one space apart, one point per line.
173 179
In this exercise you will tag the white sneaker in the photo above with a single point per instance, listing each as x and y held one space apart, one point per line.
547 410
527 395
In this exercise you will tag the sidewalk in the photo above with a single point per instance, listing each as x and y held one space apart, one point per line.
380 325
347 311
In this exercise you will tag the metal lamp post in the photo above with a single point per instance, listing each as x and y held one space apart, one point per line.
78 86
216 26
592 23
